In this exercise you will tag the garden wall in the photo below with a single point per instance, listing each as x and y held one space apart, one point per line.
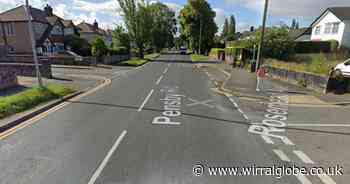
26 69
7 79
314 82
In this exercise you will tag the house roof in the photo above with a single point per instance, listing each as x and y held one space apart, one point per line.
68 23
343 13
52 20
19 14
89 28
296 33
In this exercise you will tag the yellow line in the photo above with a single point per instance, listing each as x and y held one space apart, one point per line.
35 119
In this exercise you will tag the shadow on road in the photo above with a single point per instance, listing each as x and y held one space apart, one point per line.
245 123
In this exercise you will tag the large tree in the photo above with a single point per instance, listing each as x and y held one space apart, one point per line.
164 26
231 32
120 38
197 25
225 29
138 20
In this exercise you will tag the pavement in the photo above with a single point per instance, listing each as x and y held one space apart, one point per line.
161 123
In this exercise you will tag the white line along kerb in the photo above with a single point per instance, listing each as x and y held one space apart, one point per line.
166 70
106 159
145 101
160 79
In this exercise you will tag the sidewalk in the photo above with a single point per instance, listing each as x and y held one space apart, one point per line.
243 84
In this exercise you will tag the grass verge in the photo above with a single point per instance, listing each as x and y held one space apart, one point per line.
30 98
196 58
152 56
134 62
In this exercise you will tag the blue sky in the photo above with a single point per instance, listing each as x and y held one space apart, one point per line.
247 12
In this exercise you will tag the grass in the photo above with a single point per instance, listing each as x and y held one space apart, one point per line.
30 98
152 56
316 65
196 57
134 62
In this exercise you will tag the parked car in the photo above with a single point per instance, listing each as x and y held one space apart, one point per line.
183 50
343 69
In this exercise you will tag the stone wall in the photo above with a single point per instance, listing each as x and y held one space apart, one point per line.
26 69
314 82
7 79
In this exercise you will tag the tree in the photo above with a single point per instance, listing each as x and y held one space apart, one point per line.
78 45
293 25
120 38
98 48
225 30
197 25
138 20
164 26
232 27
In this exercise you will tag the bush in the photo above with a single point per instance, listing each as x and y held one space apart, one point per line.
78 45
98 48
119 51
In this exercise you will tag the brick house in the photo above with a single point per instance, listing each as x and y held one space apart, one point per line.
90 32
48 31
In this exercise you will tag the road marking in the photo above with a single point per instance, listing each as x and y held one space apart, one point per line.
245 117
42 115
326 179
240 111
281 155
106 159
166 70
303 179
318 125
145 101
159 79
306 159
196 102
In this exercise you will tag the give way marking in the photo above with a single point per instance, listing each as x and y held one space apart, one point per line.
197 102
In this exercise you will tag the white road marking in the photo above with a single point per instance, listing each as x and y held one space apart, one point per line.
145 101
303 179
196 102
108 156
306 159
281 155
326 179
166 70
239 110
245 117
267 139
318 125
160 79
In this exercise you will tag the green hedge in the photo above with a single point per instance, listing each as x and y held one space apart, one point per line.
215 51
119 51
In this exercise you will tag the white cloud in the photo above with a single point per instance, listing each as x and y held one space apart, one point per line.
220 18
291 8
108 7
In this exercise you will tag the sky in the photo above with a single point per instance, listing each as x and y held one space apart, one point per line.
247 12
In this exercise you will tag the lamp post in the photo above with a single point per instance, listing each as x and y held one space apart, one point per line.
200 33
32 40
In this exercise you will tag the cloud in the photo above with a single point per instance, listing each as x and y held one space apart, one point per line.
291 8
220 17
108 7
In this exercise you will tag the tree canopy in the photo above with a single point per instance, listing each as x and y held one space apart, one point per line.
120 38
197 25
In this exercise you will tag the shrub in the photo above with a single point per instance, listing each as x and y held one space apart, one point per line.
78 45
98 48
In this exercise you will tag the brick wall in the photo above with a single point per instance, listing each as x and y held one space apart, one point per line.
7 79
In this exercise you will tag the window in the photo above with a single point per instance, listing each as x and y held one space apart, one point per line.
9 29
335 28
328 28
317 30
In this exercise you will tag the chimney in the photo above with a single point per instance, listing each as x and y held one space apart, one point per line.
95 25
48 10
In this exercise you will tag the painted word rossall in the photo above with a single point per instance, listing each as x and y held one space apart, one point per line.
171 107
274 121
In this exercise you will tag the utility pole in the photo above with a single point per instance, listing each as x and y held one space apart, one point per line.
200 33
259 59
32 40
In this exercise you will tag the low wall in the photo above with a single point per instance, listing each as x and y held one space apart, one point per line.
115 59
26 69
7 79
314 82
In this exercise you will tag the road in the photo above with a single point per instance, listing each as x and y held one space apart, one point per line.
150 125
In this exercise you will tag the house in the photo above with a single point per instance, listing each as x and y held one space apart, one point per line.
333 24
15 35
300 35
90 32
48 31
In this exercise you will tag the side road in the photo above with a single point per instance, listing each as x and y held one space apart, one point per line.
308 130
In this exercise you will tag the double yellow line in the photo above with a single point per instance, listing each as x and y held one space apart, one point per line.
35 119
